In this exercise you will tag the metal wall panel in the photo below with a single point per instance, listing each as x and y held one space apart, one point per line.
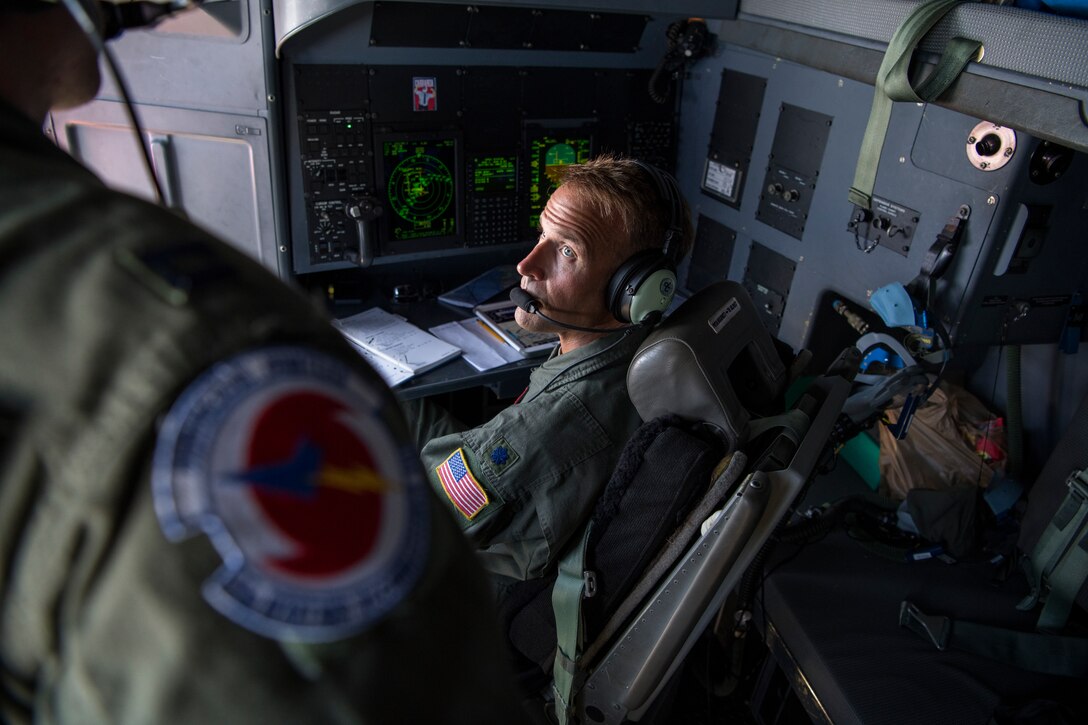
215 166
295 16
924 168
206 88
199 61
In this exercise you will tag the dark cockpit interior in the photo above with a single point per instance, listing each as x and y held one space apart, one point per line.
890 200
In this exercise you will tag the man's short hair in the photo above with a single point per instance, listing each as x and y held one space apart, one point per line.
618 188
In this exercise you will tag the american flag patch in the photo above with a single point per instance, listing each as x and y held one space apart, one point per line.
461 486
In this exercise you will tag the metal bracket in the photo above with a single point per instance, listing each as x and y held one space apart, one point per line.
901 427
589 584
936 629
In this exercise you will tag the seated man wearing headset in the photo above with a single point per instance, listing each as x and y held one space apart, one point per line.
210 508
522 483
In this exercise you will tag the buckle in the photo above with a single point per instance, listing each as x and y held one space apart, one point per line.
936 629
1078 483
589 584
1074 501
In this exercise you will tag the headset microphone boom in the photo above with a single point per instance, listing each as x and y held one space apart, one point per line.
525 301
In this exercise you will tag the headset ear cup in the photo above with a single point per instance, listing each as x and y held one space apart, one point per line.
643 284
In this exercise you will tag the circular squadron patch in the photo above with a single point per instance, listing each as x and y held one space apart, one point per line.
282 457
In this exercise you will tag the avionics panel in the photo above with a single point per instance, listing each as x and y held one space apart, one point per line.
334 145
418 177
552 146
493 213
398 161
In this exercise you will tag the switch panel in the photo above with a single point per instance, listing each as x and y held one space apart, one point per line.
886 224
793 167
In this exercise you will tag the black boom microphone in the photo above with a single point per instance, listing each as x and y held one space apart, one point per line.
522 299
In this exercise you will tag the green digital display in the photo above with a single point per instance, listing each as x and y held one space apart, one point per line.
494 174
419 175
550 150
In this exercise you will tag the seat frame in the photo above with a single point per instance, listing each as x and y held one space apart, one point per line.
634 669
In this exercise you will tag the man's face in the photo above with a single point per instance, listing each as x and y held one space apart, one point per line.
569 268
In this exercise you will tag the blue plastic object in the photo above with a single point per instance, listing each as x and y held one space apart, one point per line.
894 305
882 356
1075 8
1002 494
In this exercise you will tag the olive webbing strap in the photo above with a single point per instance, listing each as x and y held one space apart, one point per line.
1058 565
893 84
1056 570
567 594
1052 654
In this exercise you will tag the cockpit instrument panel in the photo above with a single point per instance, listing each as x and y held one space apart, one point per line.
449 159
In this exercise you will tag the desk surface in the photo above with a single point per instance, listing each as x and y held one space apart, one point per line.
506 381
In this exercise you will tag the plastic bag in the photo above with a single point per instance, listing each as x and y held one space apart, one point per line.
952 441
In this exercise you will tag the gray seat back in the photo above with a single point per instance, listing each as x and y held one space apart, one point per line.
712 360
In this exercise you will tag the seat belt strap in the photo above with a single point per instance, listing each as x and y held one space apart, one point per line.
1058 564
1065 581
1046 653
893 84
567 594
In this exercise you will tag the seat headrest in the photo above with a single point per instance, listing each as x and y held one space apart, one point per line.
711 360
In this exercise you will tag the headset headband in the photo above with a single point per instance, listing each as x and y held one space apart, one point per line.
669 192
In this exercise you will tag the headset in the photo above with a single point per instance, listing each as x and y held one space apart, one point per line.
642 288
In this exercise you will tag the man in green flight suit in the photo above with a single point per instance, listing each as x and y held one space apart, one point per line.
522 483
210 509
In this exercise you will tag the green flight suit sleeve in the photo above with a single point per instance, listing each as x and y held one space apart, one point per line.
541 466
427 421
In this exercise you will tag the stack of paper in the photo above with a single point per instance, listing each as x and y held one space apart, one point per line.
482 349
395 347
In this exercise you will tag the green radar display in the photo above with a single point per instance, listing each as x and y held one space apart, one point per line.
421 187
551 151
